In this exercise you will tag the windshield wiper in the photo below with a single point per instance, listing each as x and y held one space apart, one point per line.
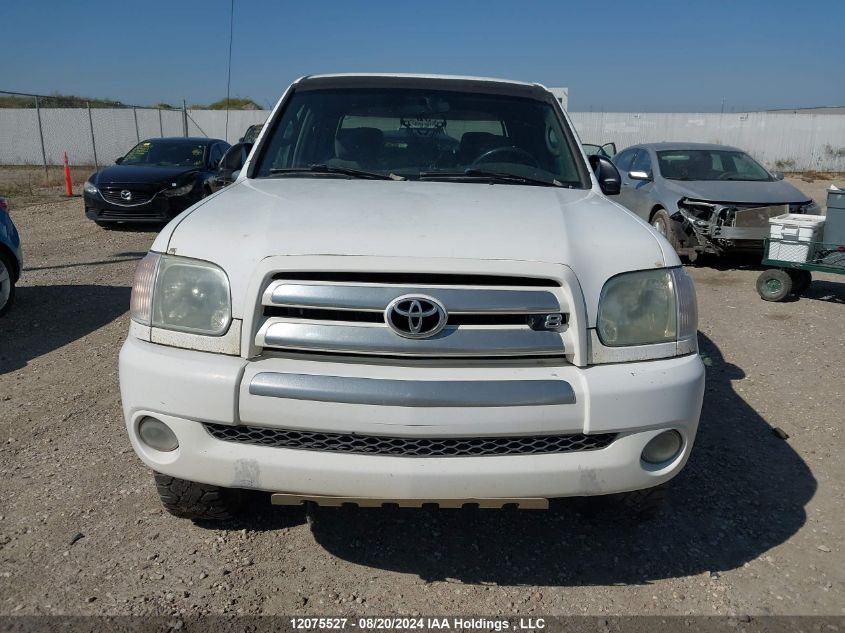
489 176
326 169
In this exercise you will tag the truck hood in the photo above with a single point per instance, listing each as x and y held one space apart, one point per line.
737 191
254 219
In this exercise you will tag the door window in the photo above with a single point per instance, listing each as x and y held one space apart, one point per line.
642 162
216 154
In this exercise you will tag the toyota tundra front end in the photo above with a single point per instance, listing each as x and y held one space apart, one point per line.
416 291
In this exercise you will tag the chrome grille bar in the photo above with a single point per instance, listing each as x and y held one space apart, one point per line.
378 339
412 393
376 298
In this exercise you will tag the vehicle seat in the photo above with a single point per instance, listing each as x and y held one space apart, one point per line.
673 169
358 147
700 166
474 144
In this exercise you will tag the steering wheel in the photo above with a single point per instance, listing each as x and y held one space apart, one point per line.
726 175
517 152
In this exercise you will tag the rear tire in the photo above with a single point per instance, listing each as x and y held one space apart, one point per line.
774 285
663 224
191 500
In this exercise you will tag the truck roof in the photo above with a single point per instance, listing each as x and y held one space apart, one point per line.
421 81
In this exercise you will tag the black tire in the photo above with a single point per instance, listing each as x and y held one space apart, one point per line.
638 505
663 224
774 285
801 280
7 272
190 500
643 505
104 225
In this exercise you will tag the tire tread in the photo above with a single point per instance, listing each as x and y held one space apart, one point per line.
191 500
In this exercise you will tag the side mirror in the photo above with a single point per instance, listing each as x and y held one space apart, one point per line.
118 160
778 175
606 173
235 157
639 175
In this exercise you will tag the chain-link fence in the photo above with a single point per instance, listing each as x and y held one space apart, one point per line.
39 129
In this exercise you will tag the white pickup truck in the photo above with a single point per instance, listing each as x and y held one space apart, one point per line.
416 291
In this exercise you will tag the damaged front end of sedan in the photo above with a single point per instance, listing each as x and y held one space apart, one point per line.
721 227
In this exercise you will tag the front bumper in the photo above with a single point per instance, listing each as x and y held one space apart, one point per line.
185 388
159 209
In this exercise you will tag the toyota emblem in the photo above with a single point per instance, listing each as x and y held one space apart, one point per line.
414 316
126 194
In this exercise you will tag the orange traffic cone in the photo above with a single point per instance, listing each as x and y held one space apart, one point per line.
68 183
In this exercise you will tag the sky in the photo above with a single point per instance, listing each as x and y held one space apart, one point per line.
640 56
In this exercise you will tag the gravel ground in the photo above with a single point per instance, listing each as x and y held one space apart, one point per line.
754 524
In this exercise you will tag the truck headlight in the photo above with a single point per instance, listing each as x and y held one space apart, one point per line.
191 296
648 308
89 187
178 293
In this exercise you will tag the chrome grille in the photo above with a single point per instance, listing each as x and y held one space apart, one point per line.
138 197
410 446
344 314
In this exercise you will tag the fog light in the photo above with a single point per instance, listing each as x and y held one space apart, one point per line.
156 434
662 448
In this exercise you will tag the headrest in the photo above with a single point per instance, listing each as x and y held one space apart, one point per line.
359 144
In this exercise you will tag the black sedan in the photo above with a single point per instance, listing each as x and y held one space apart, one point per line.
156 180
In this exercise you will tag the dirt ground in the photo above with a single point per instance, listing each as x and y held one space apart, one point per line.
754 524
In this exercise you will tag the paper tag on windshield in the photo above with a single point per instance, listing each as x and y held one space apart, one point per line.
423 122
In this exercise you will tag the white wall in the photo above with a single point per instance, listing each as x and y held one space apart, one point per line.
116 130
784 141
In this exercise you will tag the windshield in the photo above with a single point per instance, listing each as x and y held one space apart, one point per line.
166 154
710 164
419 134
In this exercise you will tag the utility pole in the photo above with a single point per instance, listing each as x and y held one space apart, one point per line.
41 137
229 74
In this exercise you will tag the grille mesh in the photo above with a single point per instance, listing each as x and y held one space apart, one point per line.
410 446
138 197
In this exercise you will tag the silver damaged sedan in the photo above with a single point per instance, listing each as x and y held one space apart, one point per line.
705 198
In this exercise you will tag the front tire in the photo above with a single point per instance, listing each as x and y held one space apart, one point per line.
7 284
663 224
637 505
643 505
203 502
